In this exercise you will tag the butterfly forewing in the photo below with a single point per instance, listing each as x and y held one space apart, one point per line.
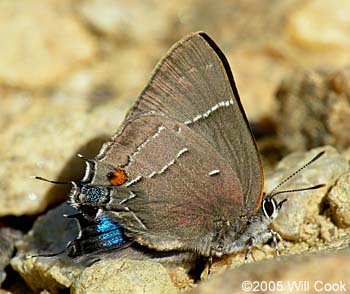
193 84
185 159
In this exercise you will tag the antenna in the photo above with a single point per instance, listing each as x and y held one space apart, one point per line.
298 190
272 193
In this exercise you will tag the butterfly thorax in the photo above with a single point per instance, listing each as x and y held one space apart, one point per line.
245 231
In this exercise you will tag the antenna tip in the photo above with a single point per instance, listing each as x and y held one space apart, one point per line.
39 178
320 154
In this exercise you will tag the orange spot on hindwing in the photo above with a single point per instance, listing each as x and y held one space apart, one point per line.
118 177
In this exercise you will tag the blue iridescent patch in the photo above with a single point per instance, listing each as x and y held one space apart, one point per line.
111 232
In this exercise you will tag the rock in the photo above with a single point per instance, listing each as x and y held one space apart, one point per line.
122 19
315 34
43 42
320 24
312 272
266 77
124 276
50 234
339 201
44 141
50 274
301 217
321 110
8 236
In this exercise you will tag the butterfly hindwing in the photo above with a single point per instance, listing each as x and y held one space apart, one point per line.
173 195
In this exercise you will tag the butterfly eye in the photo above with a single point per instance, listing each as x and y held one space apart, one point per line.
269 208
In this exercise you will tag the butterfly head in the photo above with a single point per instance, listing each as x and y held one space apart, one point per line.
271 207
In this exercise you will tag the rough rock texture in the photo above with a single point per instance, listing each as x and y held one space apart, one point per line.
320 25
8 237
70 69
314 109
311 272
301 218
124 276
41 144
41 42
48 275
339 201
122 19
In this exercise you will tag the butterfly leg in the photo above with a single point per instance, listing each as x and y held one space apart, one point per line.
276 237
210 263
250 245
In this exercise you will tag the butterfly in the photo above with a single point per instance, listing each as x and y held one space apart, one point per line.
182 177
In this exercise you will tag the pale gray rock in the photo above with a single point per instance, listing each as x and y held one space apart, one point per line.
299 217
314 109
311 271
131 20
44 141
124 276
339 201
41 42
8 237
